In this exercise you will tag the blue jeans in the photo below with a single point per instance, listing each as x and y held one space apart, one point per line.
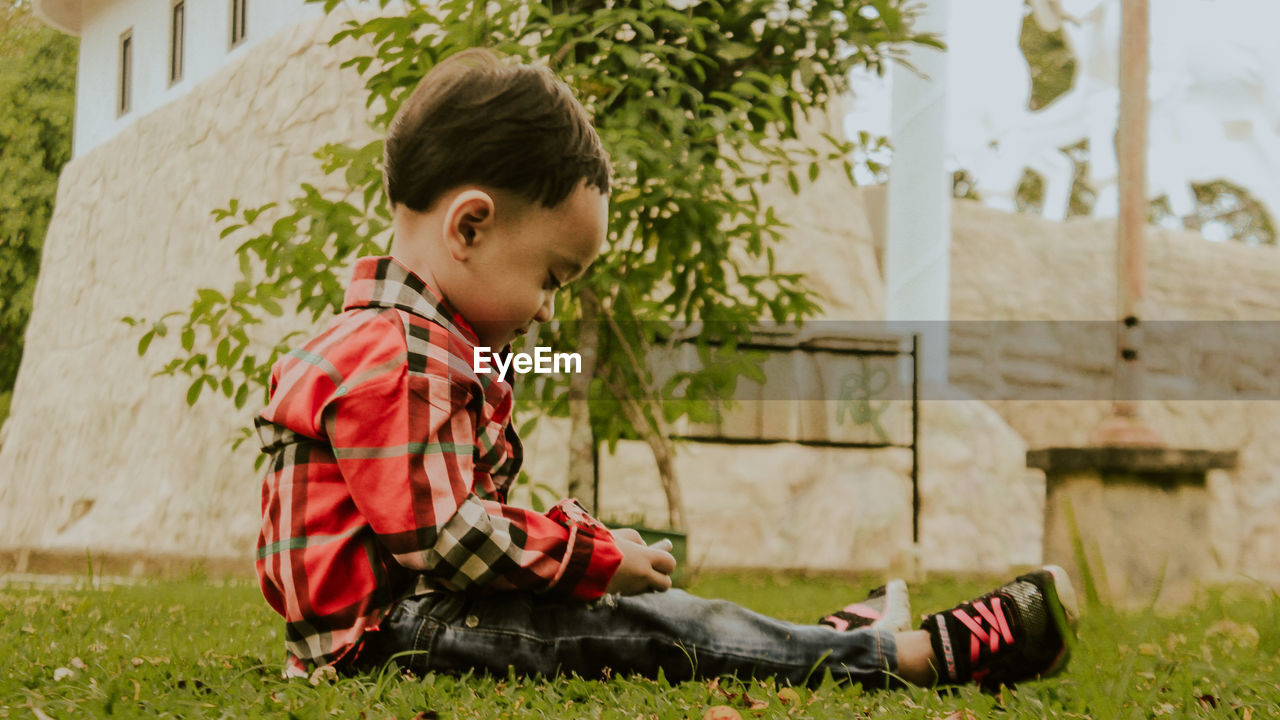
682 635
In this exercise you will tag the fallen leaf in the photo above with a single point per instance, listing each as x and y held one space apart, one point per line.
78 664
63 673
324 673
721 712
40 714
162 660
1238 634
788 696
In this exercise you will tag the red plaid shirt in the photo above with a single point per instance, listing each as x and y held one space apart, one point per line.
390 460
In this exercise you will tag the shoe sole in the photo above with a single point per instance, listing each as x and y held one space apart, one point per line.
1060 596
897 608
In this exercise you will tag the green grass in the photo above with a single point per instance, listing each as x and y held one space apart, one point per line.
198 650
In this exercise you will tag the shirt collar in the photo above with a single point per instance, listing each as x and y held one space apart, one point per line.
384 282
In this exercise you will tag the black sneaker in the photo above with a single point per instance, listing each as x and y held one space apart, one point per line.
1021 631
887 607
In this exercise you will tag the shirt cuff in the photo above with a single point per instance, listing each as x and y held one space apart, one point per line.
590 558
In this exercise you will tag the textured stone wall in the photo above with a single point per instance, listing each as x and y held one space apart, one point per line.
791 506
98 454
1015 278
1222 297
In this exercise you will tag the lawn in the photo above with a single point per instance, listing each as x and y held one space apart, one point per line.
197 649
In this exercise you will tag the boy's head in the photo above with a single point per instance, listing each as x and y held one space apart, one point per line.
499 186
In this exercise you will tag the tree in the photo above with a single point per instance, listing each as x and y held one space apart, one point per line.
37 99
697 102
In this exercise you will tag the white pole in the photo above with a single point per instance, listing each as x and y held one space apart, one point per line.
918 219
917 263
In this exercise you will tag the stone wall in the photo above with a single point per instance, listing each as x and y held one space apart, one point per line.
97 453
1031 301
1219 296
792 506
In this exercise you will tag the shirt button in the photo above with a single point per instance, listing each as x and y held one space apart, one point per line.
471 621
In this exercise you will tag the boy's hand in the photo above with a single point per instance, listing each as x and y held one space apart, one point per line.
644 568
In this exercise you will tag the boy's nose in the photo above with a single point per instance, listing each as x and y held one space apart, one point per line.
547 310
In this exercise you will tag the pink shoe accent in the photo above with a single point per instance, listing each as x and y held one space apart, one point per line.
838 623
863 611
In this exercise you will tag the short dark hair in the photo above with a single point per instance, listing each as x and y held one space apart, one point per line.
477 120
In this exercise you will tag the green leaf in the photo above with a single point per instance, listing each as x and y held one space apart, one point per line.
253 213
736 51
270 305
193 391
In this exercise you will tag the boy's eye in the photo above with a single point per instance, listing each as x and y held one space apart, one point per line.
552 281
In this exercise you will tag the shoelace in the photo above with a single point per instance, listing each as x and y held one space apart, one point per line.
990 611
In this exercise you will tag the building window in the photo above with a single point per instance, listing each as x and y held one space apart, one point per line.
124 88
239 26
177 39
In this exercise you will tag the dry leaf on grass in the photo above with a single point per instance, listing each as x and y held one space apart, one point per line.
739 698
324 673
721 712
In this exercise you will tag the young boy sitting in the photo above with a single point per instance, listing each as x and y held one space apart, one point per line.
386 534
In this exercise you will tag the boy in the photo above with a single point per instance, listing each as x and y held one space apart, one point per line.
385 525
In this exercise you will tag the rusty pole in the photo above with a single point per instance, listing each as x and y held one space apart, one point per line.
1125 426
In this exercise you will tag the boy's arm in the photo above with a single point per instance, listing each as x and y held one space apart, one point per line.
405 445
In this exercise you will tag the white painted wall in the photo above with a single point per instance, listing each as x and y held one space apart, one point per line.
208 38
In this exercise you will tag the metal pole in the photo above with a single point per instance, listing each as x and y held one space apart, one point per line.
915 438
1125 426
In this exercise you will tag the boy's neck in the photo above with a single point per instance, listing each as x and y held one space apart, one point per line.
415 255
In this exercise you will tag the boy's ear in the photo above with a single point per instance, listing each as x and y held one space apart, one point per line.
467 218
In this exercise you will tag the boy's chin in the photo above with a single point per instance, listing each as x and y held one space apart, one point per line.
498 342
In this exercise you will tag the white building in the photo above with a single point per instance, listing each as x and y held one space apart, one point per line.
136 55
